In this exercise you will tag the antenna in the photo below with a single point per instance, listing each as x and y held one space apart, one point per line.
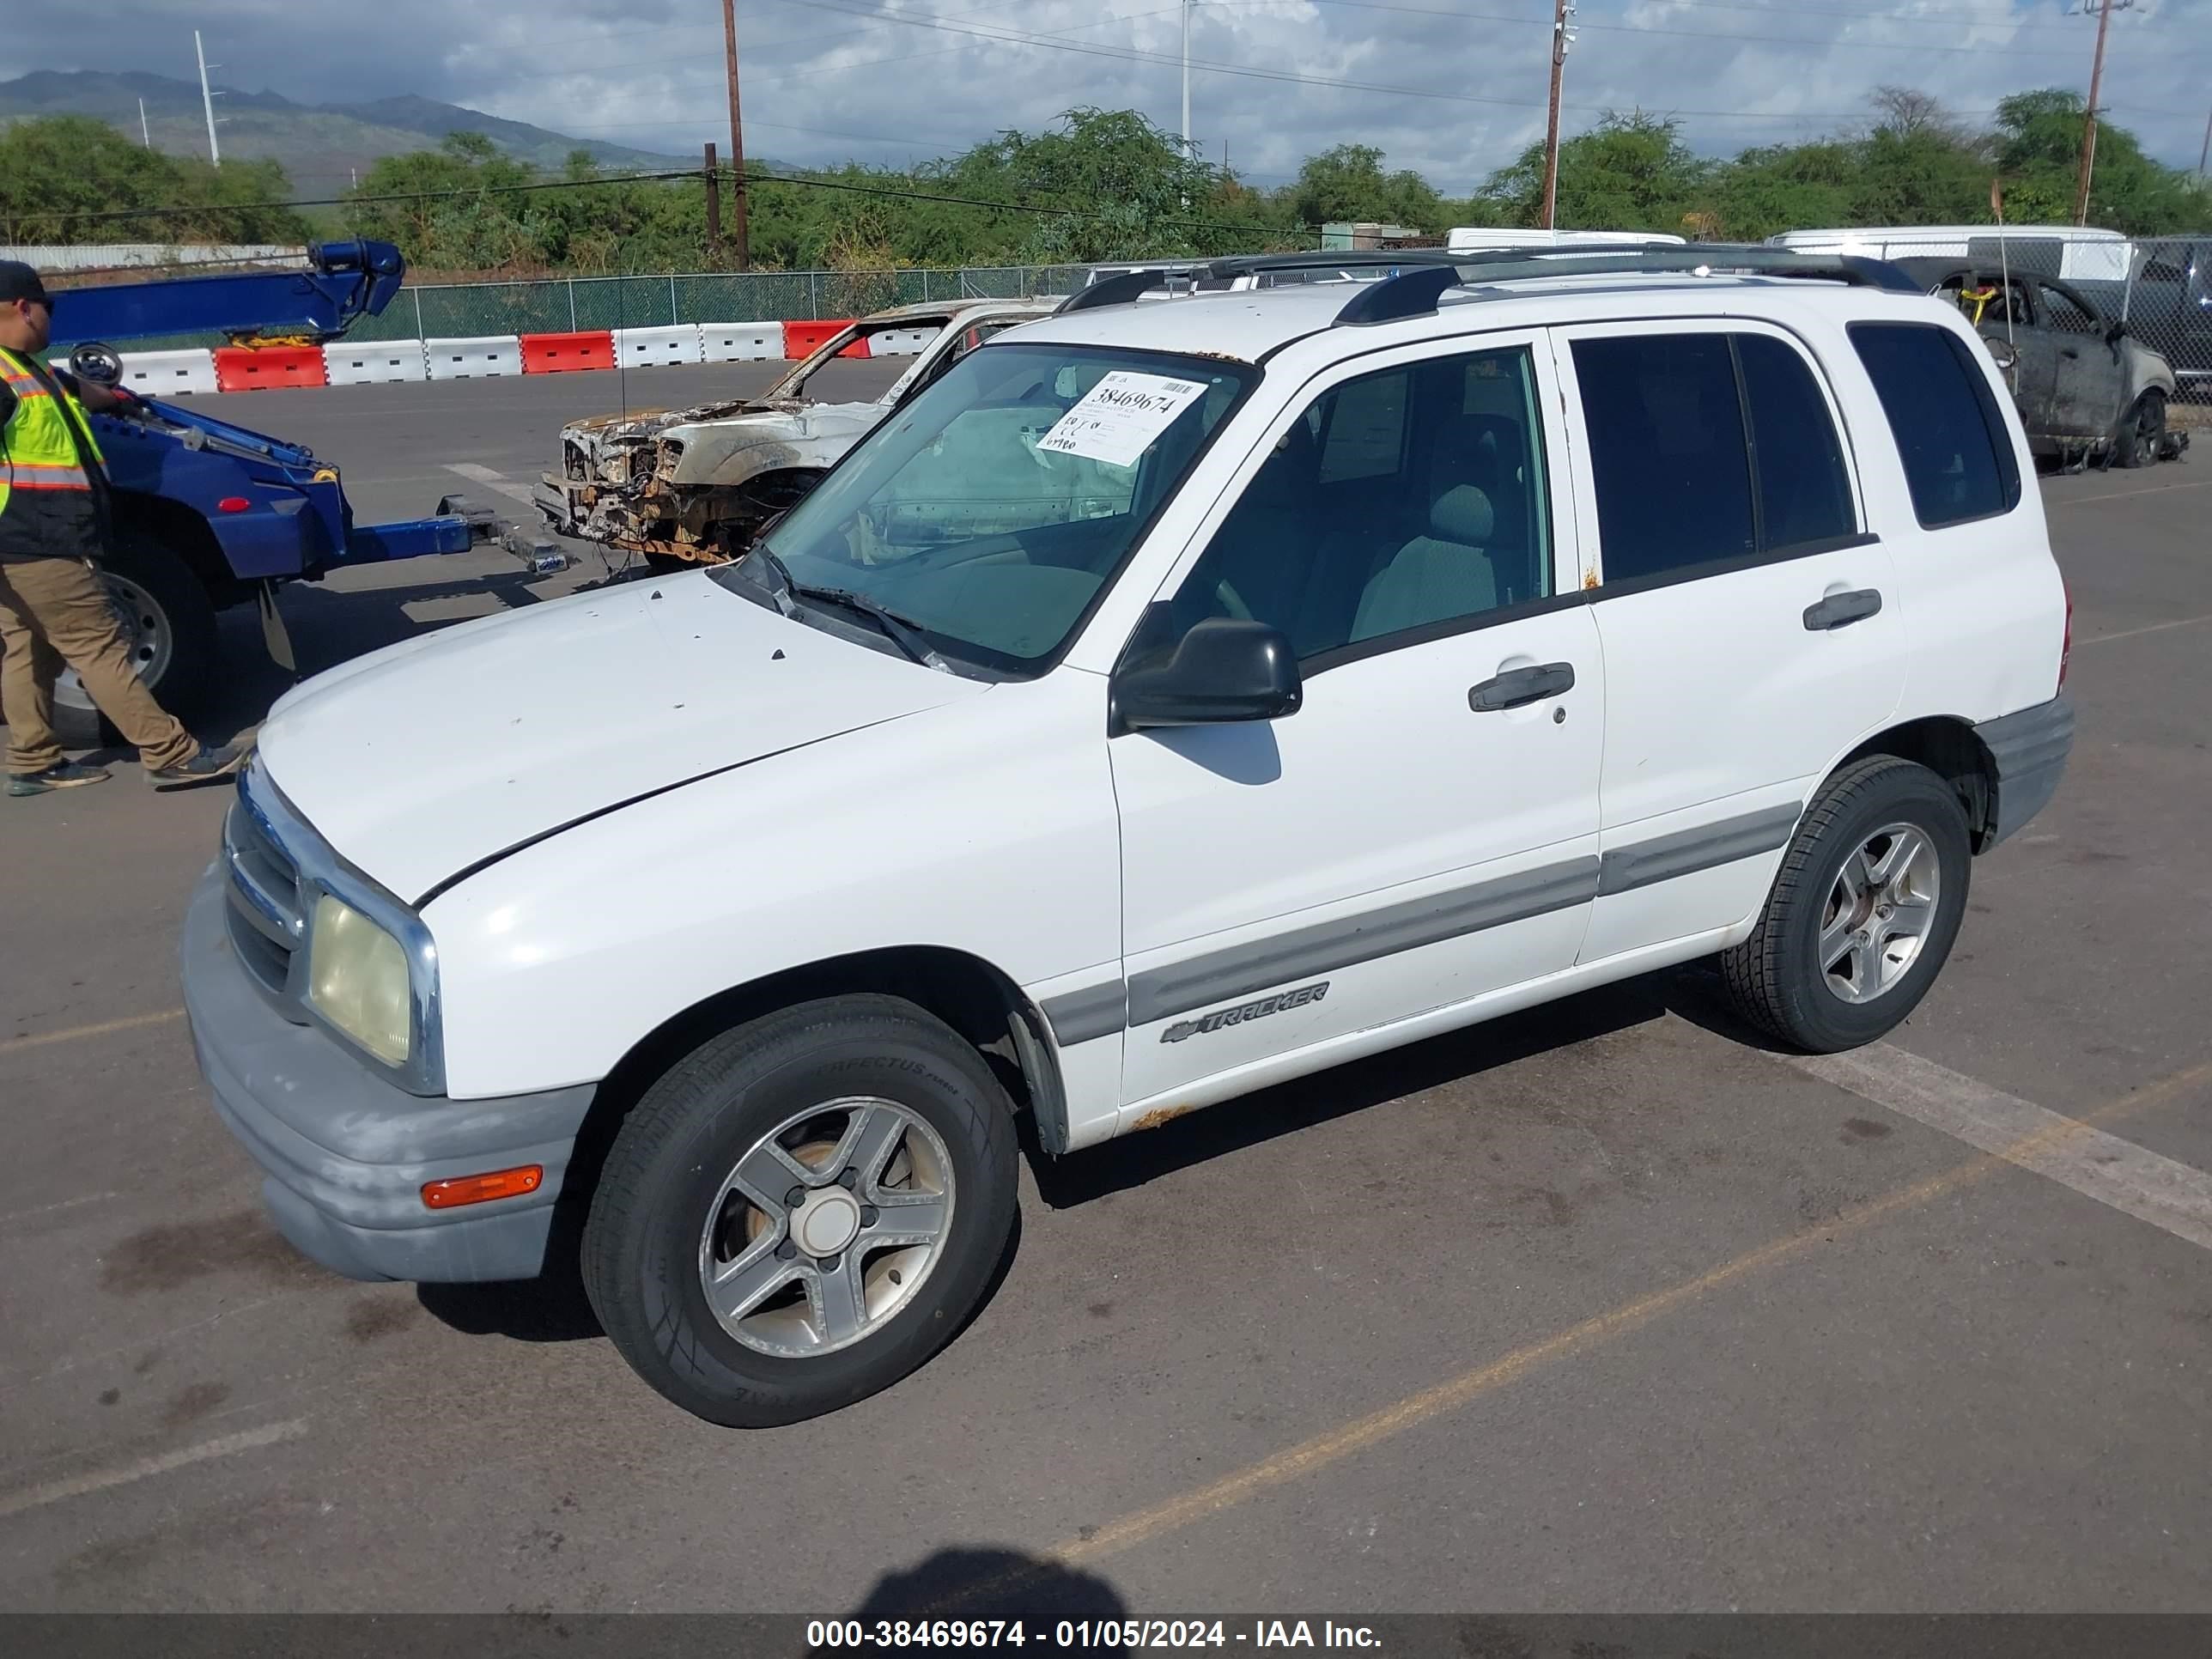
147 137
207 99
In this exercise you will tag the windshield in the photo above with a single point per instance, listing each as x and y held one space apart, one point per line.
999 503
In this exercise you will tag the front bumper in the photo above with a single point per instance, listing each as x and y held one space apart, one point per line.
2030 748
346 1153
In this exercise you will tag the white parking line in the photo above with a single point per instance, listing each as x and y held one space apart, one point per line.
2169 1194
2115 495
78 1485
491 478
2148 627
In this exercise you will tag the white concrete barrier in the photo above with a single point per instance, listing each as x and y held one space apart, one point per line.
374 363
474 357
648 347
740 343
168 374
900 342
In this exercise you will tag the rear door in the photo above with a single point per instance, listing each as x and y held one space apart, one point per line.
1749 624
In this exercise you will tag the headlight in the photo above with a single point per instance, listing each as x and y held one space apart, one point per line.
358 979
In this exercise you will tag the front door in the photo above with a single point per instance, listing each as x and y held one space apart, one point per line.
2087 376
1752 629
1423 830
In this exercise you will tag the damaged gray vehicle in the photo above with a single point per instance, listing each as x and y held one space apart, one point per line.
2087 387
694 486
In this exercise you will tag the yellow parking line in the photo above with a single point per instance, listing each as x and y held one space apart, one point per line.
1308 1456
79 1033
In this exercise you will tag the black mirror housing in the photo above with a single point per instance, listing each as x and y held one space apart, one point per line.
1224 669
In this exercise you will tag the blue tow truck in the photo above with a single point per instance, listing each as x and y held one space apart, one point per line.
209 515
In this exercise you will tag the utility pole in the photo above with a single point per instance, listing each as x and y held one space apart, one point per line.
714 210
147 135
1562 38
207 99
2204 150
1185 79
2089 120
741 254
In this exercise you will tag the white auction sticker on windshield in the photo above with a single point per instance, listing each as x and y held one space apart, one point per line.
1116 419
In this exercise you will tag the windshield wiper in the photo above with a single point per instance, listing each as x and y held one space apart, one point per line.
900 631
779 584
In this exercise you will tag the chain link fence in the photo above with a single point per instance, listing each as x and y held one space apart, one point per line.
2165 301
563 303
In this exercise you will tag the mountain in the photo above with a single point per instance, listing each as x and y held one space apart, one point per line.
322 146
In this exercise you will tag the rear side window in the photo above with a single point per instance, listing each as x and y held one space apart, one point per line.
1668 456
1950 433
1804 488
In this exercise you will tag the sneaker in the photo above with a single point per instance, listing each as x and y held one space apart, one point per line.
208 766
68 774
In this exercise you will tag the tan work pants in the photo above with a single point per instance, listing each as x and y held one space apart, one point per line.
54 612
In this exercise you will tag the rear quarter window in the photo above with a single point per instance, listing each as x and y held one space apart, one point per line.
1943 414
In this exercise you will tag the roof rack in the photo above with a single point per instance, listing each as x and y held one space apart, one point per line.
1117 290
1416 291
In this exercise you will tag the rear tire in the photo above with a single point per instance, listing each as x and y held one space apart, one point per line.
1844 949
171 620
2142 432
749 1309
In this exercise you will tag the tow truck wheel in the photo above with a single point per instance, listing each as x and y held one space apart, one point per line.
802 1211
170 623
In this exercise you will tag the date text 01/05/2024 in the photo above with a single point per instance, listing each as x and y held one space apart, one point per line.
1114 1633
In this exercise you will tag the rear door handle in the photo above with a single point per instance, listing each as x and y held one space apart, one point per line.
1842 609
1517 686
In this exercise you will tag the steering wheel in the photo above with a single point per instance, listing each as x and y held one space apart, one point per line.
97 363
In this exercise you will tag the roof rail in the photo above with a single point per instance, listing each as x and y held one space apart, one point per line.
1416 291
1116 290
1255 265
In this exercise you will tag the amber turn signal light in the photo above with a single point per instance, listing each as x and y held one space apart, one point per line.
482 1188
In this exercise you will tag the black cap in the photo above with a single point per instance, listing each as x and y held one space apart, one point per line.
19 282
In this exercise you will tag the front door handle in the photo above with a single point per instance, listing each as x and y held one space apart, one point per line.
1842 609
2069 351
1517 686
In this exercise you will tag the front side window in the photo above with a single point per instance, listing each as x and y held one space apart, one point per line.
1398 504
990 511
2062 311
1667 455
1950 433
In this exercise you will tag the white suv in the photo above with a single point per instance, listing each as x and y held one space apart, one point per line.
1173 699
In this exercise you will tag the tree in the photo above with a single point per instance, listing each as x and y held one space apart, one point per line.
56 170
2038 143
1629 172
1348 184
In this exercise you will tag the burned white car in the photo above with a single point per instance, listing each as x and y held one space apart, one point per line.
694 486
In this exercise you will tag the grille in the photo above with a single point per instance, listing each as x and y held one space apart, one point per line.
266 925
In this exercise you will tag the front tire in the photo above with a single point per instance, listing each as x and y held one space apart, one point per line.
802 1211
2142 431
1862 913
170 622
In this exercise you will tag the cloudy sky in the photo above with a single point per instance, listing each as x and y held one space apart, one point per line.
1452 87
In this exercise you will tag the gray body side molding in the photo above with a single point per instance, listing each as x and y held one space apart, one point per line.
1325 947
1096 1010
1687 850
2030 748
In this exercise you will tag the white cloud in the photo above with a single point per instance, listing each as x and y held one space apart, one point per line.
829 79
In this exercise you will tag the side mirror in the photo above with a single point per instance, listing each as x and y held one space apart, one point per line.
2115 332
1224 669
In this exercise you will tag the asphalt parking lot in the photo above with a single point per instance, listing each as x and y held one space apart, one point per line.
1600 1306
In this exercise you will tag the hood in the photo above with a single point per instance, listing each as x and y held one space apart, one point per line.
419 761
761 440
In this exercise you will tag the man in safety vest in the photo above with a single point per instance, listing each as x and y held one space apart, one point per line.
54 608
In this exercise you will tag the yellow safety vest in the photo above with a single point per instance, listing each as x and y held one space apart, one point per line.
39 450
